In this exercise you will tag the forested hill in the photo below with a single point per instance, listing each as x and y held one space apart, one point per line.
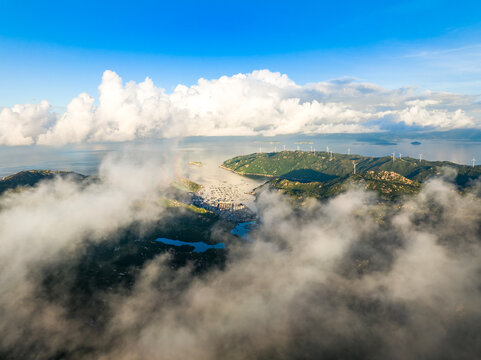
322 175
29 178
321 166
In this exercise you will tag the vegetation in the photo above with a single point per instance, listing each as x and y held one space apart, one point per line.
321 174
187 222
114 263
186 185
388 185
29 178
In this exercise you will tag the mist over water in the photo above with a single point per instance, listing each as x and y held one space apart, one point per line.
212 151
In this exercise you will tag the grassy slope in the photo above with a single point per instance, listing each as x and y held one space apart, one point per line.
388 189
186 185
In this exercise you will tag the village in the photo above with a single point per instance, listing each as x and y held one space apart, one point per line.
224 200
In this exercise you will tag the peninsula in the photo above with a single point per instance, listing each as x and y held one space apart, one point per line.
322 174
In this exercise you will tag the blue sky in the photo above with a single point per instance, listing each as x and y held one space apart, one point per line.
54 50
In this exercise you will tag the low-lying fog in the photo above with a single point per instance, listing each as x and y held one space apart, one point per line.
347 279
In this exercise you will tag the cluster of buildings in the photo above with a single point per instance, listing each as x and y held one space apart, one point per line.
225 201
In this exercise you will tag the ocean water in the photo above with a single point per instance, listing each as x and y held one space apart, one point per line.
212 151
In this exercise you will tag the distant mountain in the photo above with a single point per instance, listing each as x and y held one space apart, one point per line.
321 174
32 177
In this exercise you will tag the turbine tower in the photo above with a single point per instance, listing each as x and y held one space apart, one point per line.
400 156
393 156
348 151
354 164
327 149
473 160
420 157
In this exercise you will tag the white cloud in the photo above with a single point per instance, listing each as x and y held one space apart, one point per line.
22 124
261 102
421 114
74 125
332 278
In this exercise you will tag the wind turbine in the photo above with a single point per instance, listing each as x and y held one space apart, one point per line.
473 161
327 149
354 164
393 156
420 157
311 148
400 156
348 151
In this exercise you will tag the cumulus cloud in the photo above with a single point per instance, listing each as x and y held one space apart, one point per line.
74 126
22 124
350 278
261 102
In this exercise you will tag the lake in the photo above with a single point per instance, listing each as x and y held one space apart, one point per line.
243 229
198 246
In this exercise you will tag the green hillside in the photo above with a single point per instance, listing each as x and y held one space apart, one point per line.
388 185
177 201
320 174
186 185
32 177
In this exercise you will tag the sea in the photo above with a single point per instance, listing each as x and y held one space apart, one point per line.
212 151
